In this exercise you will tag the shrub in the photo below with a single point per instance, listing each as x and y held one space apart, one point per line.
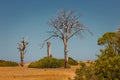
47 62
4 63
62 61
71 61
104 68
85 72
108 68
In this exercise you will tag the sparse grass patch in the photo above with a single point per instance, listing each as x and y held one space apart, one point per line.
25 73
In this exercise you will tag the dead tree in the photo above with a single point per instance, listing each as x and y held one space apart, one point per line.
48 49
22 46
66 25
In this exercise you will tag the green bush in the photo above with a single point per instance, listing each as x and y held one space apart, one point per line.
47 62
108 68
85 72
71 61
62 61
4 63
102 69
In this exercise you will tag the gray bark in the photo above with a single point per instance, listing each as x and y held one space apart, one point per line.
22 46
65 53
48 49
22 58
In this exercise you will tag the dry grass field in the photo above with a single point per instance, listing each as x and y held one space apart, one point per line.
24 73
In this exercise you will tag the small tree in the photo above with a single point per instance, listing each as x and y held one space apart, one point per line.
108 62
107 66
66 25
22 46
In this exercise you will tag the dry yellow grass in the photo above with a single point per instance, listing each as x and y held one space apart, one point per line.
24 73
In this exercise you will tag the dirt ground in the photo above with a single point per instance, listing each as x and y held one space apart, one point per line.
24 73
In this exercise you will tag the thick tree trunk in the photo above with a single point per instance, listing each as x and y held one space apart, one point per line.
65 54
22 58
48 49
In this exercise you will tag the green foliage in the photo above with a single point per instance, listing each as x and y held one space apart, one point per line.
107 52
4 63
117 41
108 62
107 38
85 72
47 62
104 68
108 68
62 61
111 41
71 61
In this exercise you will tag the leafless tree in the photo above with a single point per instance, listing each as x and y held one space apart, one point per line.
22 46
48 49
66 25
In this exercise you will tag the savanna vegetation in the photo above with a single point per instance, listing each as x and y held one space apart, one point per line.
66 25
4 63
107 66
47 62
25 73
50 62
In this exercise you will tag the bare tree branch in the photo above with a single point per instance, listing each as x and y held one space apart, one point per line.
66 25
58 29
42 45
74 33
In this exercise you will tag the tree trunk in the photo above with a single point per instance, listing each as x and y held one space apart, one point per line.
65 54
48 49
22 58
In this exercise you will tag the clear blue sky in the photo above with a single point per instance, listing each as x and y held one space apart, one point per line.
19 18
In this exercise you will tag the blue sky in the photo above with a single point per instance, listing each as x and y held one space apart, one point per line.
21 18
